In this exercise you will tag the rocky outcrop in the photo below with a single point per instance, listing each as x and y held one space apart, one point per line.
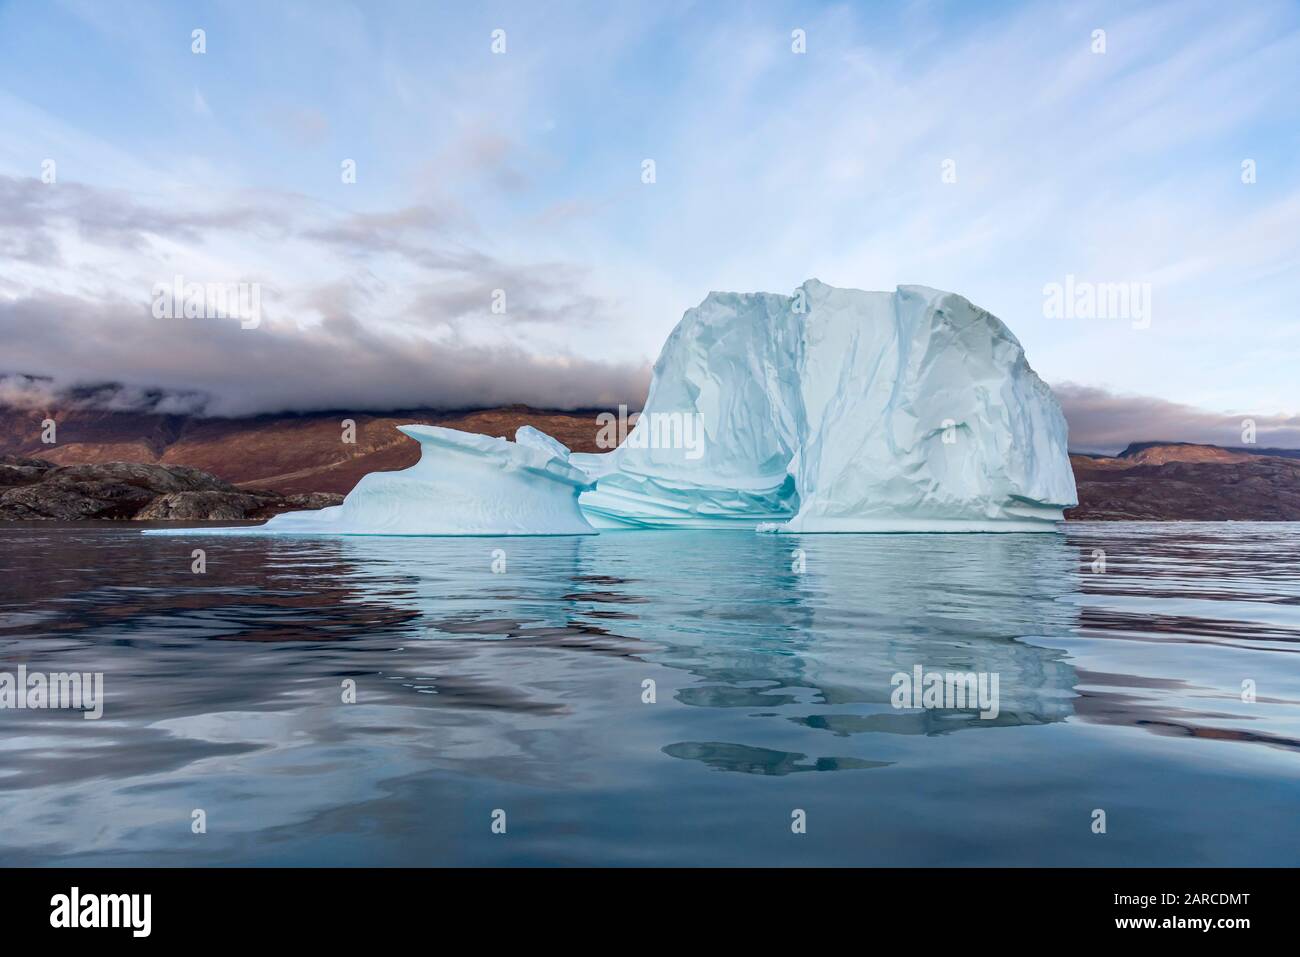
200 506
38 489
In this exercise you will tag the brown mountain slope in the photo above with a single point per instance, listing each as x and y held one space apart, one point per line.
287 453
1164 454
1249 488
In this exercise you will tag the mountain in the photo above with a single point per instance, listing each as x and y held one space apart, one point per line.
295 454
1179 481
1191 451
1162 453
288 453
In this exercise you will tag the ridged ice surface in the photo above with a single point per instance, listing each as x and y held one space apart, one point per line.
464 484
838 410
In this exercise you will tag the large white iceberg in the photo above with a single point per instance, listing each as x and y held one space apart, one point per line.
832 410
837 410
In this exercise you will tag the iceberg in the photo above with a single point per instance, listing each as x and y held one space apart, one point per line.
830 410
838 410
464 484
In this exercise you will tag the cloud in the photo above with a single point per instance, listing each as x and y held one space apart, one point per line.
367 309
305 126
395 318
21 391
479 151
1103 421
117 356
49 215
404 231
213 367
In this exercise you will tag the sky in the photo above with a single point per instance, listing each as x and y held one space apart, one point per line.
989 149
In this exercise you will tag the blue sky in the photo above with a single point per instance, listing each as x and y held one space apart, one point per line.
522 171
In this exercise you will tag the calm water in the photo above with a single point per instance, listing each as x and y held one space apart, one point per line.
522 691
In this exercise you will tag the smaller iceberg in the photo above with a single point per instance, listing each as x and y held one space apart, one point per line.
464 484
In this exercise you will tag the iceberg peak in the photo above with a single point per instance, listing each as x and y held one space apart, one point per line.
835 410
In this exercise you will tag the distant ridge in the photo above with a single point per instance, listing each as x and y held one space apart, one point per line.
1185 481
1134 448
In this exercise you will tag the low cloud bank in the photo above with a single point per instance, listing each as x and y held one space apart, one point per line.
110 356
1103 421
358 374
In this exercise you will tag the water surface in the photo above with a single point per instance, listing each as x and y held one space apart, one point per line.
771 660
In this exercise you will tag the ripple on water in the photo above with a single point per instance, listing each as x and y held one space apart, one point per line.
654 697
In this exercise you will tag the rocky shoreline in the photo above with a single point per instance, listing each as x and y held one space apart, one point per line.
129 491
